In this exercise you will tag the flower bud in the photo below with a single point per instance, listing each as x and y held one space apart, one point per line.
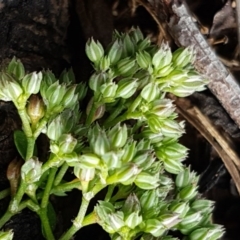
16 68
183 178
118 136
148 200
128 46
169 220
94 50
153 137
172 166
84 174
136 35
202 205
154 124
150 92
101 144
72 159
35 109
162 57
192 217
31 83
99 111
164 180
111 160
13 175
162 108
126 88
89 160
67 143
133 220
173 151
182 57
131 205
179 207
143 44
115 52
54 148
70 97
164 72
10 88
154 227
141 157
116 221
55 94
143 59
31 171
171 128
108 91
104 63
96 80
81 91
124 174
199 234
143 77
126 67
188 192
146 181
129 151
55 128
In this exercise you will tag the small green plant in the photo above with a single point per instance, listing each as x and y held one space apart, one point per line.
126 142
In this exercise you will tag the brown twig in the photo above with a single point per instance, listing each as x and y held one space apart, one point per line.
185 33
220 143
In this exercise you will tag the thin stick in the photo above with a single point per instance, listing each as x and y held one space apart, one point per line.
222 146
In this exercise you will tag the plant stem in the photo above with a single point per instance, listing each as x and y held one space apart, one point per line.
119 108
50 163
77 223
30 147
14 204
42 124
121 118
60 174
109 192
46 225
30 204
13 207
5 218
26 125
66 187
89 219
48 187
4 193
44 204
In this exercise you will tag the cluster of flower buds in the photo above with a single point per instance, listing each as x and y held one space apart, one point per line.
172 154
196 220
131 75
113 158
39 95
64 134
57 95
144 213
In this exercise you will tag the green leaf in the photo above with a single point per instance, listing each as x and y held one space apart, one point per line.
20 141
51 215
